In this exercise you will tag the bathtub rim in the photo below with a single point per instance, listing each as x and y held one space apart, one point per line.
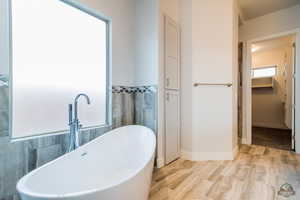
22 189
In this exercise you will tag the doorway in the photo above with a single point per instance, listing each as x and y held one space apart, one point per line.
272 92
269 91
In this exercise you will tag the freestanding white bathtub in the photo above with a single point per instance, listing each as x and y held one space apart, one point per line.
115 166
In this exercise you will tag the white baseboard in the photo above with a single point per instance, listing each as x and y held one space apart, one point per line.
160 162
236 151
244 141
205 156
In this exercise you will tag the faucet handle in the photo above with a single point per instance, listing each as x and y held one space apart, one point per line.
70 113
80 126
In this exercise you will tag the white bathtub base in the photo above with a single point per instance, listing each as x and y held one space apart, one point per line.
115 166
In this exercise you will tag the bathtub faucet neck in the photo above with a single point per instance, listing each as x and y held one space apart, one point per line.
74 123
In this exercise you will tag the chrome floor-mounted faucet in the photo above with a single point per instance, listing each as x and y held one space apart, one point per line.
74 124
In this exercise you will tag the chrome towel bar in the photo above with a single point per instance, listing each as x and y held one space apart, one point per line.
213 84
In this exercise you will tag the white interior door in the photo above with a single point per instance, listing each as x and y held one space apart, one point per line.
171 54
172 93
172 125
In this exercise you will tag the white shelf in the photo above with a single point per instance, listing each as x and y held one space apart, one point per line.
265 82
263 86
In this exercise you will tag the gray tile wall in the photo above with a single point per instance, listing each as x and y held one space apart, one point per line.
131 105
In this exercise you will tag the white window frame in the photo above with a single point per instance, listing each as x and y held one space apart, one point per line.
108 120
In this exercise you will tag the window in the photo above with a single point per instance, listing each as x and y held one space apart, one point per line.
261 72
58 51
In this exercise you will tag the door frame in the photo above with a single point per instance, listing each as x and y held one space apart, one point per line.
247 94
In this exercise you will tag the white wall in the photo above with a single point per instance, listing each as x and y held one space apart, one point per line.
122 14
186 19
208 118
4 34
146 42
170 8
280 21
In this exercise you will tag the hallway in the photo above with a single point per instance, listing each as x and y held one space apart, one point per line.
257 173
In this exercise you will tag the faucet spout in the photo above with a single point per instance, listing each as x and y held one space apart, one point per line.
83 95
74 124
76 104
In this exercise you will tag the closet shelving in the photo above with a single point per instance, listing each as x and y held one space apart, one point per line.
263 82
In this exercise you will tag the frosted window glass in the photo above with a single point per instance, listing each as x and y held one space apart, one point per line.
264 72
58 51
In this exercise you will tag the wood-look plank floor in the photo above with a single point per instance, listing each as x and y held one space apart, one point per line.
256 174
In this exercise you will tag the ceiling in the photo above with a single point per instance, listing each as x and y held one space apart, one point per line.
273 43
255 8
